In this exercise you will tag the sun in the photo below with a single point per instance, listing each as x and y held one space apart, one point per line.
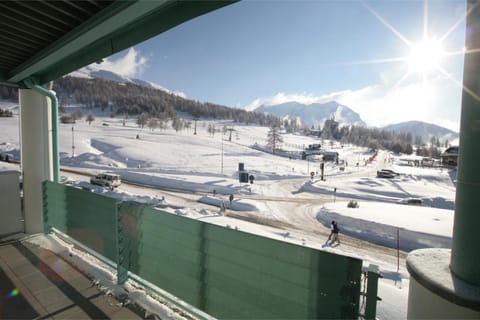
426 56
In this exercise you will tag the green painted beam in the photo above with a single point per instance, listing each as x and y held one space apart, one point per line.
117 16
124 24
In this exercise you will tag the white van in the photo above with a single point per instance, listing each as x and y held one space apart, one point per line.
111 180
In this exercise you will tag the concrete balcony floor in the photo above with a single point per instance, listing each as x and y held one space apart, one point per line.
38 284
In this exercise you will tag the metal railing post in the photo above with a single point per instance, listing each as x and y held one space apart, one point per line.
372 290
122 272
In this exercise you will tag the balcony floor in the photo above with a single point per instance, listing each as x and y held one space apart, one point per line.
38 284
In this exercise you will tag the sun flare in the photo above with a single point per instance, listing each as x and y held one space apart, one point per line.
426 56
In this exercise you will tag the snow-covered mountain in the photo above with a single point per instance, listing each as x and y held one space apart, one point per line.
92 72
424 130
314 114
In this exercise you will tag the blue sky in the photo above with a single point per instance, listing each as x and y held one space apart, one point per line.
355 52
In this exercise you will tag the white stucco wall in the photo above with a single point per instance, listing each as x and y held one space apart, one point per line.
424 304
10 208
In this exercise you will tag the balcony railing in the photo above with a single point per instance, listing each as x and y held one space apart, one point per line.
224 272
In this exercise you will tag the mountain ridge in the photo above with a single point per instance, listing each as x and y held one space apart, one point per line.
92 72
423 129
314 114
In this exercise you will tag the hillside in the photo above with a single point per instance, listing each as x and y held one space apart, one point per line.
131 98
423 130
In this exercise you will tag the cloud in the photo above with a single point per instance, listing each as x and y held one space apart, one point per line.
436 101
131 65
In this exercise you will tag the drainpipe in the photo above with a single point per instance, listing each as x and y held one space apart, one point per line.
53 97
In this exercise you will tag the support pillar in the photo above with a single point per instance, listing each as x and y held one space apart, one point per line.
466 245
36 151
446 283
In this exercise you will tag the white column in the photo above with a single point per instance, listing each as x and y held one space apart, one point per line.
36 150
435 292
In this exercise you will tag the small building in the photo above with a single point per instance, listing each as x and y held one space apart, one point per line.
330 156
314 146
450 157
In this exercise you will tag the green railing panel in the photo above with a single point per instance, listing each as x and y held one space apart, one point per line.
226 273
230 273
86 217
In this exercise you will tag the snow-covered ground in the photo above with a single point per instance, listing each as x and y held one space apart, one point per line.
200 171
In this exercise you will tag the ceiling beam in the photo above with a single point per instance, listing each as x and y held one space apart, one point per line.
119 26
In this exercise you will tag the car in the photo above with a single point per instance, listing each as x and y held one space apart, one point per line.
107 179
390 171
66 180
411 201
7 157
385 174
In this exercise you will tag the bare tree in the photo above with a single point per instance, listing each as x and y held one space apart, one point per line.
152 124
162 124
274 138
177 124
211 129
90 118
77 115
142 120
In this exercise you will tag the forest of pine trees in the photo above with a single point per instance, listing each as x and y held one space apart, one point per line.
398 142
134 100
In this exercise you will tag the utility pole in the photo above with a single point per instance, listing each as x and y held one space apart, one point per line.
222 154
195 125
73 140
230 136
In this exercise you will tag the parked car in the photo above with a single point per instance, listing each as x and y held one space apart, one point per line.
390 171
385 174
411 201
107 179
66 180
7 157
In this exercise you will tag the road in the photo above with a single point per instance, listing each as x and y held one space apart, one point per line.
281 204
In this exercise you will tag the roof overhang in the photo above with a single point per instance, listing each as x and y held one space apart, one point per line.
114 27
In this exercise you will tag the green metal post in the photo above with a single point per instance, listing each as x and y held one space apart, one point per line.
55 158
122 272
466 244
372 290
